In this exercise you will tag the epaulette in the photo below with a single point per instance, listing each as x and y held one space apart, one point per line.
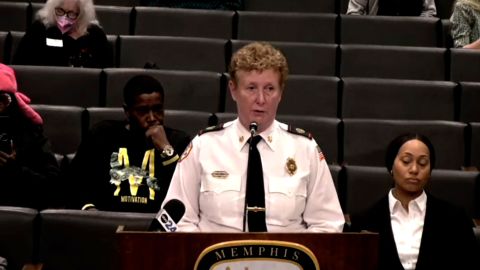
299 131
210 129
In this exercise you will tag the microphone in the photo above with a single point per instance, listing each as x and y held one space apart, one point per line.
167 219
253 128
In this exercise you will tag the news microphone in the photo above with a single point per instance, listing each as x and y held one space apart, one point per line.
167 219
253 128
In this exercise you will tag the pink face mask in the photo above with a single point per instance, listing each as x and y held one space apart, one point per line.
64 24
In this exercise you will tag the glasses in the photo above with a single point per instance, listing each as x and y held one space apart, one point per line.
70 14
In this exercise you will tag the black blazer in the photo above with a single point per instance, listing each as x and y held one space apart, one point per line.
448 240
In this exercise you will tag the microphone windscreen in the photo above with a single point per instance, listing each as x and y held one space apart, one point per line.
175 208
167 219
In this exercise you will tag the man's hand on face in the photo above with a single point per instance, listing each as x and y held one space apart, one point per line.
157 134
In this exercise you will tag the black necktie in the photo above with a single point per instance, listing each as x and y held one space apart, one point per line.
255 195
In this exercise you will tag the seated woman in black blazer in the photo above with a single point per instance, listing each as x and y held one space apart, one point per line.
417 230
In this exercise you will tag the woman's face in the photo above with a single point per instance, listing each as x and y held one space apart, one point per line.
67 14
411 168
70 7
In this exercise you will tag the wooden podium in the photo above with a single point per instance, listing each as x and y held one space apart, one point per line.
172 251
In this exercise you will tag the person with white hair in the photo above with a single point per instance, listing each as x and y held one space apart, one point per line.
65 33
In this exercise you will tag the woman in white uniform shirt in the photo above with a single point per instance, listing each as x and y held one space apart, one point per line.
210 178
417 230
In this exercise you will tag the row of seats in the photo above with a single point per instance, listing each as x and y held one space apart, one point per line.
344 141
394 62
190 53
252 25
64 239
327 96
444 7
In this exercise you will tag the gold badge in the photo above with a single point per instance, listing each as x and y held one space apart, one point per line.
269 138
240 139
220 174
291 166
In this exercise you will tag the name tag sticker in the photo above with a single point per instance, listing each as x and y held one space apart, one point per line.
54 42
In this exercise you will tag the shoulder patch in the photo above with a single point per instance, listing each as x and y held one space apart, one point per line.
299 131
210 129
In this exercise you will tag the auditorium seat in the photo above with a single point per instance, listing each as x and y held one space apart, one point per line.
79 240
112 43
395 62
316 94
15 37
115 20
313 6
324 130
475 145
189 121
224 117
62 126
13 16
444 8
343 6
184 90
94 115
304 58
18 234
469 102
363 186
35 8
178 53
126 3
446 38
60 85
365 140
390 30
3 47
336 171
398 99
465 64
283 26
157 21
458 187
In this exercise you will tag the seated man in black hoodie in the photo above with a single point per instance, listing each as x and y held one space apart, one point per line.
127 165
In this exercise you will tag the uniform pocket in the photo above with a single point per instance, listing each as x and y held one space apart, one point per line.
287 198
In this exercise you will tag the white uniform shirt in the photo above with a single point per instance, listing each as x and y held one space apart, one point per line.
407 228
211 176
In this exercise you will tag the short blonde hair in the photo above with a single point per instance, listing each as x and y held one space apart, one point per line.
259 56
86 14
